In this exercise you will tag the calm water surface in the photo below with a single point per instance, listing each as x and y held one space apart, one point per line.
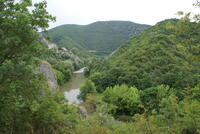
71 89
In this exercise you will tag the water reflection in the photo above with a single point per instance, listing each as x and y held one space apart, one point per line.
71 96
71 88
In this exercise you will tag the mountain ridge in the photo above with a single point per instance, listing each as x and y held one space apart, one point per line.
101 37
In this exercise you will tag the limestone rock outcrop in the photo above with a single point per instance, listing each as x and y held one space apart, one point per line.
46 69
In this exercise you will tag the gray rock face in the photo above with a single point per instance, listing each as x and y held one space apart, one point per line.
47 43
61 52
66 54
47 70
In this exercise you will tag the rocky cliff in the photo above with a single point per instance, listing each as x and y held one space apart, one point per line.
60 52
47 43
47 70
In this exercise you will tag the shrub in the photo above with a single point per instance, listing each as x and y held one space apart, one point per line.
125 99
86 88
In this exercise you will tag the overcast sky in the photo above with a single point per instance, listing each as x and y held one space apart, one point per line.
139 11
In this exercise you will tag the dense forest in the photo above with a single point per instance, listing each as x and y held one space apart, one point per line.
150 84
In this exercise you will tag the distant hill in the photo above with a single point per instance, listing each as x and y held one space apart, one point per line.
100 38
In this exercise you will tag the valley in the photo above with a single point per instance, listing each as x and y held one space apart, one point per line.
106 77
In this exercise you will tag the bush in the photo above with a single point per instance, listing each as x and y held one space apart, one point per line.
53 115
98 79
60 77
63 72
151 97
86 88
125 99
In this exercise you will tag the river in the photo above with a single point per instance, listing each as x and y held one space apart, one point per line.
71 89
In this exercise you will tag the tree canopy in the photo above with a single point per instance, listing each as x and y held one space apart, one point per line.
23 108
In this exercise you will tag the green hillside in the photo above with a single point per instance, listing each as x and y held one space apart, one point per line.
160 55
151 82
99 38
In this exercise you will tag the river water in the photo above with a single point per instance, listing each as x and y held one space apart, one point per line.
71 89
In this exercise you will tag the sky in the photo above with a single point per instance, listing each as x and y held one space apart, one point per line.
138 11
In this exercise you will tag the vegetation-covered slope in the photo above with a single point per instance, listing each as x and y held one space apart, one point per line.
100 38
156 56
152 81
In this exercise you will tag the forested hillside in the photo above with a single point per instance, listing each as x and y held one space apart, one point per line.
152 81
160 55
99 38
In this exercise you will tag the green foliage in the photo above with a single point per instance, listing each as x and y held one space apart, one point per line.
86 88
194 93
191 117
27 104
54 115
99 38
125 99
19 26
94 125
162 62
152 58
151 97
20 87
98 79
60 77
63 72
175 117
166 54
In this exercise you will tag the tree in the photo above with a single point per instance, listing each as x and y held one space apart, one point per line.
125 99
54 117
98 79
23 109
190 120
151 97
86 88
195 93
19 27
